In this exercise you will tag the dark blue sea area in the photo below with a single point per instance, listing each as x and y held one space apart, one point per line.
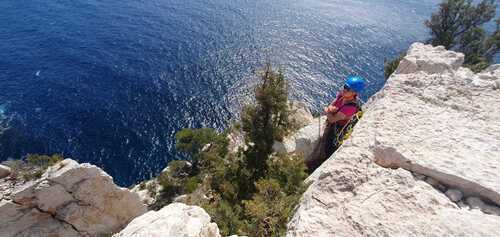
110 82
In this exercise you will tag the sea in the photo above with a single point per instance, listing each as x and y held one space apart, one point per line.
111 82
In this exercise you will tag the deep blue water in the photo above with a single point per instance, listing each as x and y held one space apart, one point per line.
110 82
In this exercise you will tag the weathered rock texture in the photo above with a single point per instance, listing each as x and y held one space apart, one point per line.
304 140
148 191
433 118
70 199
4 171
173 220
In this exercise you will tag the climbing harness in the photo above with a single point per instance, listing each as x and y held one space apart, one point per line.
346 130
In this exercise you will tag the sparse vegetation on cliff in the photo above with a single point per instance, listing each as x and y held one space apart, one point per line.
33 166
250 192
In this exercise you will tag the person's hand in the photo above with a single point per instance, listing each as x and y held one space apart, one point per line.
330 109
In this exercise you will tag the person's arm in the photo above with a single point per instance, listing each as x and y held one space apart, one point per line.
332 118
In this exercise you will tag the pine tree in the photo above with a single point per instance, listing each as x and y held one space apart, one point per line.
458 26
266 120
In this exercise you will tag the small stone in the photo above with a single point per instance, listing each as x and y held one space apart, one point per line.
496 85
431 181
462 204
4 171
419 176
475 202
454 195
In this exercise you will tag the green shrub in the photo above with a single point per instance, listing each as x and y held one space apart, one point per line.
227 216
191 184
142 185
171 188
33 167
192 141
251 192
43 161
390 66
270 209
178 169
265 121
289 171
151 187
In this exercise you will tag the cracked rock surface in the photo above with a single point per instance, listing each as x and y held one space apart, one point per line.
176 219
70 199
433 118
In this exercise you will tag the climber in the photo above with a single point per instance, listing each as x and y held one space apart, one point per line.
339 114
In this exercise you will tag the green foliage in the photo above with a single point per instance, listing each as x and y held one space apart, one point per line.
390 66
32 167
289 171
191 183
266 120
177 180
458 25
269 209
43 161
252 192
142 186
178 169
227 216
192 141
151 187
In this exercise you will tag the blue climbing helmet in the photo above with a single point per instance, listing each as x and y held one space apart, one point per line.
357 84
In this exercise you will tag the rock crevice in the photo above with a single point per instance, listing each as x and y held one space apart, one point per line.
388 157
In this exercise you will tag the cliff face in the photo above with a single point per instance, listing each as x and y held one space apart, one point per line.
423 161
70 199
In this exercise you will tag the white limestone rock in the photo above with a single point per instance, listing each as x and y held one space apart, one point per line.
236 141
70 199
4 171
431 119
303 141
454 195
148 191
425 58
300 114
173 220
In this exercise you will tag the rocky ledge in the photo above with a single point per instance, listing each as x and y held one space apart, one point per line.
173 220
70 199
423 161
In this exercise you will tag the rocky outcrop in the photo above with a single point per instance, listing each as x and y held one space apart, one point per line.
148 191
173 220
304 140
423 161
70 199
300 114
4 171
